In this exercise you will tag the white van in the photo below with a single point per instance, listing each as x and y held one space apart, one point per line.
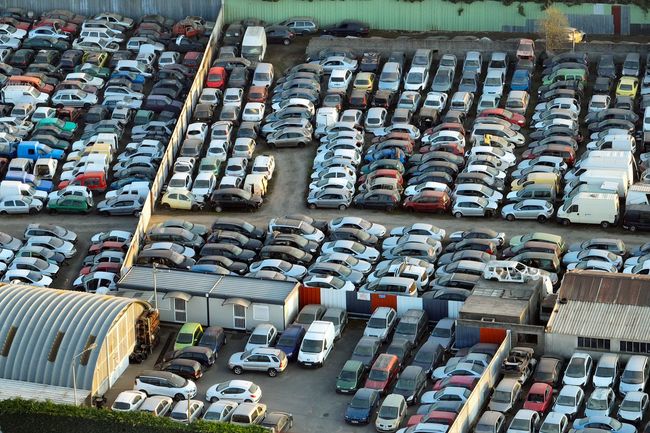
256 184
19 94
263 75
614 142
605 159
14 187
253 45
615 179
317 344
590 208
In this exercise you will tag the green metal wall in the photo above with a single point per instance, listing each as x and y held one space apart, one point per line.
423 15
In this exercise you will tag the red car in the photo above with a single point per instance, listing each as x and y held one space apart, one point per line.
22 25
382 172
565 152
217 77
111 267
258 94
108 245
428 201
188 28
193 59
450 147
433 417
514 118
468 382
64 15
539 398
383 373
66 27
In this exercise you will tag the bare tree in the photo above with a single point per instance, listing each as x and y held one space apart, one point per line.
554 28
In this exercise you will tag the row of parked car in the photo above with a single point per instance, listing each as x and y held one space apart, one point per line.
70 107
38 257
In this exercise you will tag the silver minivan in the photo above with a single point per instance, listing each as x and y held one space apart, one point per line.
632 65
462 101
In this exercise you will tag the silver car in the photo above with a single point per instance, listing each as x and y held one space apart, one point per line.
35 264
273 361
53 244
529 209
289 137
329 198
473 206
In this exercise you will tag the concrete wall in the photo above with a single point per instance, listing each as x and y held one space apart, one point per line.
567 345
208 9
460 45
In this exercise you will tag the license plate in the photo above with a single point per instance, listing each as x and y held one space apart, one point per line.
354 422
306 363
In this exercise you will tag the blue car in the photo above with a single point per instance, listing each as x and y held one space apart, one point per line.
362 406
520 80
392 153
131 76
30 179
205 268
290 340
603 423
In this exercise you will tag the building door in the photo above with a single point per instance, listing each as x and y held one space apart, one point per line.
616 13
180 310
239 316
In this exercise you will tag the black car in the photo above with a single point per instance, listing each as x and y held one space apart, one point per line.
248 130
348 28
277 422
239 77
607 67
370 62
428 356
204 113
366 351
184 367
233 252
238 225
158 103
231 63
47 56
549 370
279 35
235 238
214 337
411 384
432 176
96 114
402 348
229 264
384 98
377 199
202 354
352 234
359 99
603 85
22 58
233 35
46 44
234 198
183 44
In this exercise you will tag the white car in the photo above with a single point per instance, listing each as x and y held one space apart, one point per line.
236 167
406 128
347 260
460 369
34 264
220 411
233 96
95 45
180 182
27 277
554 423
376 119
85 78
171 246
197 130
393 241
187 411
339 80
9 42
9 30
331 63
73 98
20 204
579 369
128 401
115 19
329 282
436 101
253 112
417 78
524 421
333 183
281 266
357 223
264 164
356 249
592 254
48 32
263 335
599 103
506 157
420 229
53 243
244 148
569 401
473 206
634 407
600 403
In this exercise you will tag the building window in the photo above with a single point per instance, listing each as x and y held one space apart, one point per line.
180 310
261 313
635 347
593 343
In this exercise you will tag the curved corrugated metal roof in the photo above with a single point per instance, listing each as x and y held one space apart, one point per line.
39 315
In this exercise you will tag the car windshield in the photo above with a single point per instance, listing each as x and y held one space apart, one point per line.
306 318
624 86
212 416
388 412
406 328
630 406
501 396
258 339
312 346
121 405
576 368
597 404
604 372
389 76
519 424
415 78
547 427
441 332
484 428
359 403
440 79
202 183
536 398
376 323
566 400
405 383
348 375
630 376
185 338
378 375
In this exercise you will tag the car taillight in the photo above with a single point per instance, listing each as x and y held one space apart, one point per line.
253 396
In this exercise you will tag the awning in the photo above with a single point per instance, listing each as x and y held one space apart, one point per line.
237 301
178 295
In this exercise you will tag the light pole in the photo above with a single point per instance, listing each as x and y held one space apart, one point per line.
155 287
74 371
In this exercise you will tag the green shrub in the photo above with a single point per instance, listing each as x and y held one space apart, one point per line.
19 415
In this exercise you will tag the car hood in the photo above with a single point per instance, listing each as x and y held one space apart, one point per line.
357 414
345 384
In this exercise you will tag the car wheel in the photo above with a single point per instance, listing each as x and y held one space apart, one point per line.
32 211
458 215
301 145
286 41
166 206
136 213
272 372
104 213
194 208
86 106
566 222
342 207
218 209
179 397
510 217
237 370
604 224
214 399
541 219
312 206
51 211
632 228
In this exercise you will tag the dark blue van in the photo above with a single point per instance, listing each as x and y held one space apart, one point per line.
213 337
289 341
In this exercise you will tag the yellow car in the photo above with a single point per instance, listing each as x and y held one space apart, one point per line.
99 59
364 81
181 200
627 86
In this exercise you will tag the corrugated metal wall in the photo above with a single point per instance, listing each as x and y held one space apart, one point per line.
428 15
134 9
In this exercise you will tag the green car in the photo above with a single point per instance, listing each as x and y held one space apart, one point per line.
70 204
210 164
95 71
57 123
351 377
142 117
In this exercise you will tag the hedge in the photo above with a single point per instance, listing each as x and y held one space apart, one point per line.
27 416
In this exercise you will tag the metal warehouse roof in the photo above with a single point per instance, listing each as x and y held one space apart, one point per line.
42 329
600 320
199 284
599 287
